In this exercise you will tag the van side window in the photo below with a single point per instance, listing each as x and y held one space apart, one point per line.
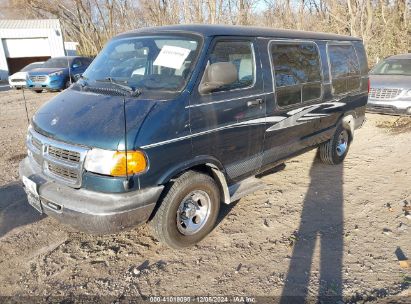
230 66
345 69
297 72
362 57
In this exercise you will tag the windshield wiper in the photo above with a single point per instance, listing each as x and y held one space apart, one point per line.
132 92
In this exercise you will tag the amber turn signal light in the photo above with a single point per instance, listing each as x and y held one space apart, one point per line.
135 163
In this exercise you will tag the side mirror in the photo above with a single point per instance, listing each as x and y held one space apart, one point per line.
218 75
77 76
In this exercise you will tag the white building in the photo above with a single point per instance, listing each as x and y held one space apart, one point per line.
71 48
26 41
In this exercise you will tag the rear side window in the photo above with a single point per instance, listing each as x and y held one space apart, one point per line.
297 72
362 57
345 69
230 66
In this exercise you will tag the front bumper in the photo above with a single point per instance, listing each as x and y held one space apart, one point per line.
90 211
17 84
395 107
51 83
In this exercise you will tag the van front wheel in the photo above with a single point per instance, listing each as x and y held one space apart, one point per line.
188 210
334 151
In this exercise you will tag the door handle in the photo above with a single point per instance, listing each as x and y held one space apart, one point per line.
255 102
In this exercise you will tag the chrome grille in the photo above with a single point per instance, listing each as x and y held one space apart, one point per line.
64 154
60 161
63 171
38 78
36 143
381 93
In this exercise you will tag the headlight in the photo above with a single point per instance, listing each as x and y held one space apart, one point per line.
56 73
114 162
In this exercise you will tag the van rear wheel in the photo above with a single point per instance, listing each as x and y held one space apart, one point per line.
334 150
188 211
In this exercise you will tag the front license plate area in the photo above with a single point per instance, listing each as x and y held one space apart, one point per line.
35 202
31 188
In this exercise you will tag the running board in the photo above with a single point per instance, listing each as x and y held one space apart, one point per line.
277 168
245 187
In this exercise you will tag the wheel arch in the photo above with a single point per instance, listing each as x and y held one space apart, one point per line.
206 164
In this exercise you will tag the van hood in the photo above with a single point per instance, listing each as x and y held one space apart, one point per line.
91 120
390 81
46 71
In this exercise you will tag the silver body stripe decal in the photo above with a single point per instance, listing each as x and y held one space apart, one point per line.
239 124
291 120
298 116
303 115
224 100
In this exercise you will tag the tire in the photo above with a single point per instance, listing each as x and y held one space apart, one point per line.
334 151
188 210
67 84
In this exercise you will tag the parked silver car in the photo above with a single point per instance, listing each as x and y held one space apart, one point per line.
390 86
19 79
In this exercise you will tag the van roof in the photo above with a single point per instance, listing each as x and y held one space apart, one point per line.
230 30
400 56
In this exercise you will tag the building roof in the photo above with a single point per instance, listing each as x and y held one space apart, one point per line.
30 24
230 30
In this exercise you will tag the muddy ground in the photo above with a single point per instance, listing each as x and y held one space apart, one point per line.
333 230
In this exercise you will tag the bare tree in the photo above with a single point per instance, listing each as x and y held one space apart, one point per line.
384 25
13 9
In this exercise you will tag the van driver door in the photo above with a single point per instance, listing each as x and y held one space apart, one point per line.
227 107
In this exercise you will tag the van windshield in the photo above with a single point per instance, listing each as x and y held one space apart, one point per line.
160 63
393 67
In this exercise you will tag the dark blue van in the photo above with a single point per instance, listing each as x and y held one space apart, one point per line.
169 122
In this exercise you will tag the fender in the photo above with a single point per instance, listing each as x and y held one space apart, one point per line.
196 161
215 166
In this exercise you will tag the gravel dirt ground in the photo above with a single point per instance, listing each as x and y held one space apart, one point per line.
314 229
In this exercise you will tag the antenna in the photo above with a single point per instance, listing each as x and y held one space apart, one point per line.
25 105
69 68
126 183
66 53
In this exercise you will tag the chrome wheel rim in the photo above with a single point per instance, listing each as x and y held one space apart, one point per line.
342 143
193 212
